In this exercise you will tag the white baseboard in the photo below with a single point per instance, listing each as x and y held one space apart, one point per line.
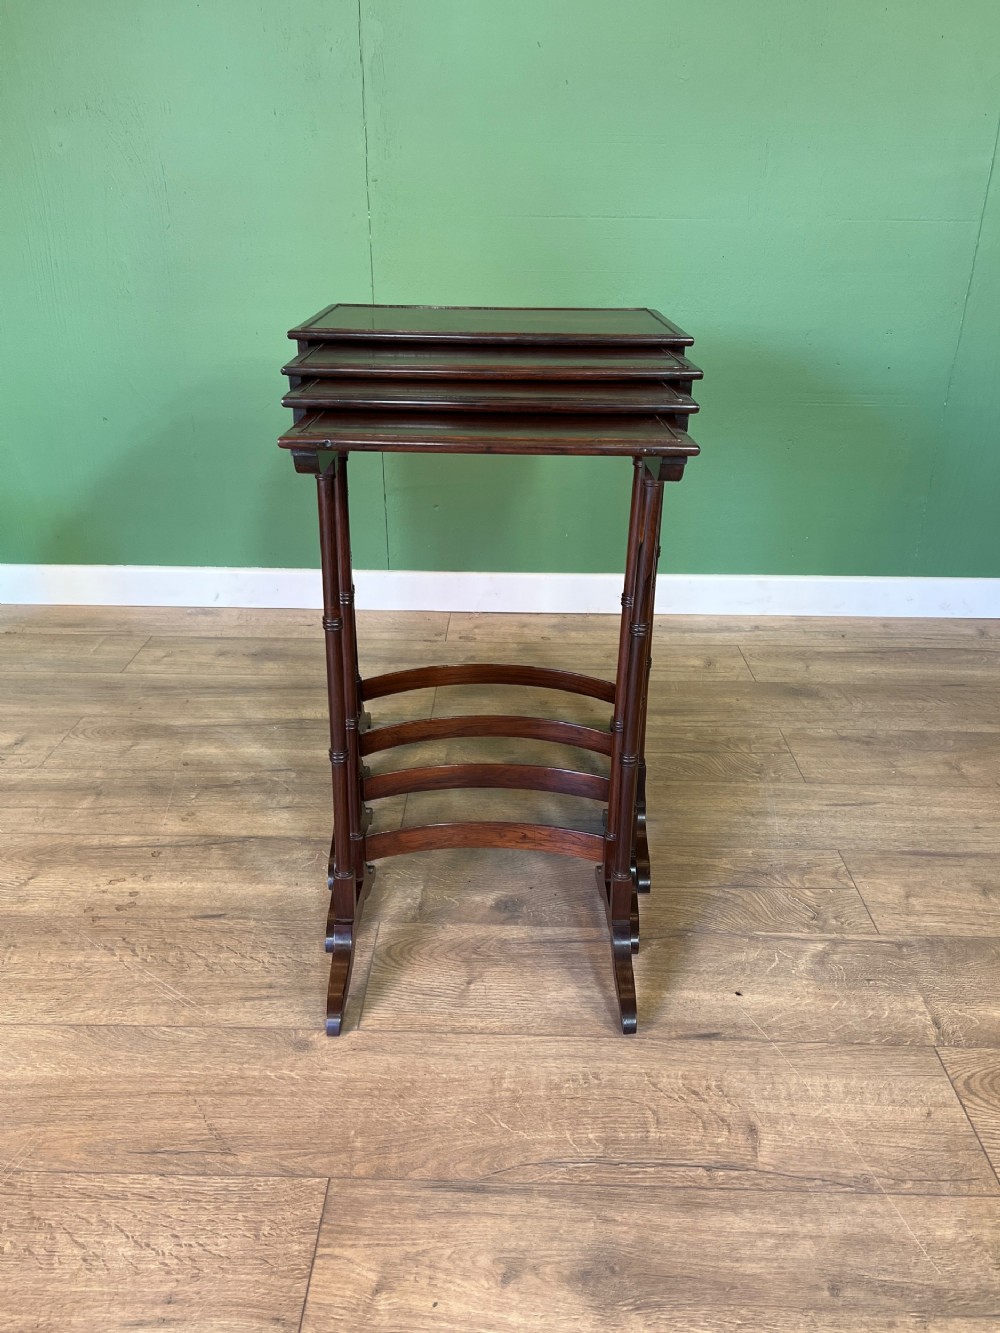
415 590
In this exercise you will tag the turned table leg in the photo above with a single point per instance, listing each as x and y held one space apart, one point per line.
641 868
358 815
630 689
346 891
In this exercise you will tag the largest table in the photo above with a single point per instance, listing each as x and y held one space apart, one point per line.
457 380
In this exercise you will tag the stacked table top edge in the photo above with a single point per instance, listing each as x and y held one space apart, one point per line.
491 380
558 325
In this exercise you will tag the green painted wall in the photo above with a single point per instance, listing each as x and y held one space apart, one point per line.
807 187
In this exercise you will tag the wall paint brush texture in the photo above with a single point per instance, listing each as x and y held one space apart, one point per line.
807 187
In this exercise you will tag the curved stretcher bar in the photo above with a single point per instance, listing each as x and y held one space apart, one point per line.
526 837
517 777
485 724
487 673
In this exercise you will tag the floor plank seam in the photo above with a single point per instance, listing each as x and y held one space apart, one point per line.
368 976
312 1262
611 1040
965 1112
491 1184
145 644
69 731
784 741
746 663
861 896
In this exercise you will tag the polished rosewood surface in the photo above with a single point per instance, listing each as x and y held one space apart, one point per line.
506 362
643 396
489 433
492 324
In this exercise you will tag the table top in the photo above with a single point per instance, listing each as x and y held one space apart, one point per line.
474 361
638 326
490 433
643 396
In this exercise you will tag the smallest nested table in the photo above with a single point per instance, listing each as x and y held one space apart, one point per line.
508 381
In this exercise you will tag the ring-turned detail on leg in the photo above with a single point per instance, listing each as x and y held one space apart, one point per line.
619 883
346 893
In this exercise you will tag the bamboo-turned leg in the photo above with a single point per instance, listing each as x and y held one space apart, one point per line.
343 913
635 523
641 869
616 874
629 596
359 817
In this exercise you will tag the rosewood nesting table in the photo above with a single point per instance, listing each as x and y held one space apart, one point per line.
461 380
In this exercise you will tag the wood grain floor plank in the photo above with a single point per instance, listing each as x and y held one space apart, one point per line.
426 1257
218 697
85 875
931 758
723 703
38 652
871 818
464 1109
716 754
780 1148
178 874
303 658
903 661
505 979
716 816
202 970
792 630
27 741
712 815
133 1251
215 621
975 1074
283 803
930 893
211 697
245 744
755 892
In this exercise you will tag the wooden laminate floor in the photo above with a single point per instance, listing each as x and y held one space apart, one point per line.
804 1135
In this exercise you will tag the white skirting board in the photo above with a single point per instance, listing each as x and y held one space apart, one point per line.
415 590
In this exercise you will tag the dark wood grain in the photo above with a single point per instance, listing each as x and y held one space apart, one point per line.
521 777
487 724
454 361
494 433
488 673
488 396
486 833
494 324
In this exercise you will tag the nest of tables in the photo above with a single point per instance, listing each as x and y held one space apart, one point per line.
461 380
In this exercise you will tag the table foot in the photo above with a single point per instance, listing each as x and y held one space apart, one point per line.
624 943
339 944
621 953
340 947
641 870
